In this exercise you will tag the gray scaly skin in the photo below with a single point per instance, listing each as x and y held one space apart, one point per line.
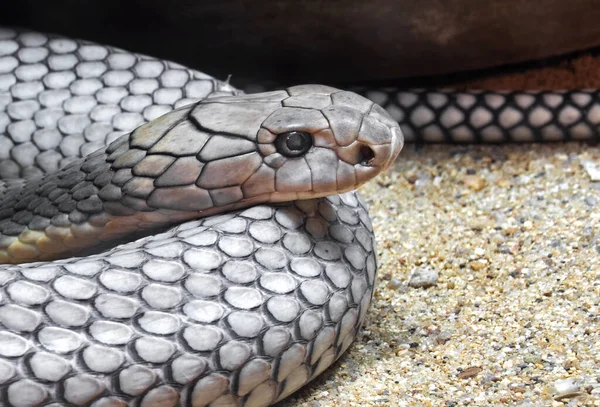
234 309
448 116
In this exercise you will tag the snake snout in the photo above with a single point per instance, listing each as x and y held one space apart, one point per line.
384 134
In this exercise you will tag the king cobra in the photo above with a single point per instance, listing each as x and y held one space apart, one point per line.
168 240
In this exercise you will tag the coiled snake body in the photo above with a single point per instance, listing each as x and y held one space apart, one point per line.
236 309
263 285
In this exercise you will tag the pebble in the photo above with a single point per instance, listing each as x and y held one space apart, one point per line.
503 183
395 283
474 182
566 388
423 277
592 168
470 372
477 264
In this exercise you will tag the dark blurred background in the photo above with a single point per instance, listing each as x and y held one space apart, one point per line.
333 41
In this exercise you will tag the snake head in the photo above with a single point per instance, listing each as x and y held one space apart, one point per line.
311 141
230 151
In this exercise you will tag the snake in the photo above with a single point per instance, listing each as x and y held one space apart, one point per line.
165 238
168 240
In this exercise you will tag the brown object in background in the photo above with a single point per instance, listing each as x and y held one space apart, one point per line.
570 73
321 40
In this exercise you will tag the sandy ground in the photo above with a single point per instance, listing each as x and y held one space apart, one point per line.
513 315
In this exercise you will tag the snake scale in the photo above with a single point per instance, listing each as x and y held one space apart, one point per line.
254 260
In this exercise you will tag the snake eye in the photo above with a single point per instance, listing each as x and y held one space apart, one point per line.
293 143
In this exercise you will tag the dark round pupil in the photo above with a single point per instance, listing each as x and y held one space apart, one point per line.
295 141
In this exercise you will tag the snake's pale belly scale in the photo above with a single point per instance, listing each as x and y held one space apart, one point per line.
234 309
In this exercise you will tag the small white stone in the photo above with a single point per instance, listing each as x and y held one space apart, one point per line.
566 388
423 277
592 168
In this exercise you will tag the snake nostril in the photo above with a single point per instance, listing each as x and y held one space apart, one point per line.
366 155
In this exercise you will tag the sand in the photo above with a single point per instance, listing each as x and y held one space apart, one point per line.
507 241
